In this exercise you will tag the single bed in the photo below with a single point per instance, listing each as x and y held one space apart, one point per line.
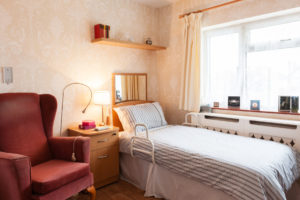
177 162
246 168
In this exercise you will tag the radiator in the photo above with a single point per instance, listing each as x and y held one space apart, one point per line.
282 131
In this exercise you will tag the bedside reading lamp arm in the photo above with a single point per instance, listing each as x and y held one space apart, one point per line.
62 101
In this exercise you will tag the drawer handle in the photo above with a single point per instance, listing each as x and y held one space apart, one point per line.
114 134
104 156
100 141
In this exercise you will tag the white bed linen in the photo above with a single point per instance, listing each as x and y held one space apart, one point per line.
161 183
173 136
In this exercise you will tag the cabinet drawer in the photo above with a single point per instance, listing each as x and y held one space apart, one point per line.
105 163
104 140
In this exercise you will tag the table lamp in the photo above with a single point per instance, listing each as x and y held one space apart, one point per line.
102 98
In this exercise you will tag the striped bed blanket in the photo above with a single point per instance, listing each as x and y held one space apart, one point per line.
245 168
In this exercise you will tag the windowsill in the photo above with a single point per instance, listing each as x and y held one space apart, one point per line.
255 111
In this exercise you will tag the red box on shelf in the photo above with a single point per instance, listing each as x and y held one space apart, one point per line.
101 31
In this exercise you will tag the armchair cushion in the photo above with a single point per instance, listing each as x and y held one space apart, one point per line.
62 148
53 174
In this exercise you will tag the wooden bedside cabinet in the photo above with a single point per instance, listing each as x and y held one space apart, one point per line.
104 150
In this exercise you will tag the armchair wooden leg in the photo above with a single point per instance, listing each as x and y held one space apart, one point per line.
92 192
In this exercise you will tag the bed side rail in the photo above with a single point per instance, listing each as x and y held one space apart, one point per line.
187 123
137 138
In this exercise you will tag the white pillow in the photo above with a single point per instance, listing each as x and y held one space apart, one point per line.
150 114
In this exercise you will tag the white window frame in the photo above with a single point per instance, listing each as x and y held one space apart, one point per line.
243 27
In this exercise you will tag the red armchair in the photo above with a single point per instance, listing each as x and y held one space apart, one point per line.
33 164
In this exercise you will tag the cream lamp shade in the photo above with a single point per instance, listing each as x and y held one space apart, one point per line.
102 98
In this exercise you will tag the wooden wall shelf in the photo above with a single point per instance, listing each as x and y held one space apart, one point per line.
127 44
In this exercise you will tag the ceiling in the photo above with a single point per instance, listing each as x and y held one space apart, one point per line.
156 3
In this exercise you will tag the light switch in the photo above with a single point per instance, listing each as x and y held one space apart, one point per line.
7 73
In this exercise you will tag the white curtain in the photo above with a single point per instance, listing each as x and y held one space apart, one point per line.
130 87
190 85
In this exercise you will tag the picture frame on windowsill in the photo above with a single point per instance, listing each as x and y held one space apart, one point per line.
255 105
294 104
284 104
234 102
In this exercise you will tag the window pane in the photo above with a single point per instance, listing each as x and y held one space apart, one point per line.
255 64
276 33
223 67
271 74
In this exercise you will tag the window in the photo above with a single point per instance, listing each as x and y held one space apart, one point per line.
256 61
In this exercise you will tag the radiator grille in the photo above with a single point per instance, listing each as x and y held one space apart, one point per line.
283 140
222 130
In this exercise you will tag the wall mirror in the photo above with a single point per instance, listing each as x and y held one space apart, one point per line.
129 87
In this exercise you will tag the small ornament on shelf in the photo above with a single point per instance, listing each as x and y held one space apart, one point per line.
149 41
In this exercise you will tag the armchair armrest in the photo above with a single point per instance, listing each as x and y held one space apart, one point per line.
15 181
62 148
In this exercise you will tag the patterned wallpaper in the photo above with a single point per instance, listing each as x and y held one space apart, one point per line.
170 62
47 42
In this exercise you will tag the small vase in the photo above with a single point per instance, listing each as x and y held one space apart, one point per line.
149 41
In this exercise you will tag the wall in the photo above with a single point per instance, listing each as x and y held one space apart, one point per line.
170 62
47 42
48 45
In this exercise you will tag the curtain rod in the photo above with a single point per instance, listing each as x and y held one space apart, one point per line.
210 8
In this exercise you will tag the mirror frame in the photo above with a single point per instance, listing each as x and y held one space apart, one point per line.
113 95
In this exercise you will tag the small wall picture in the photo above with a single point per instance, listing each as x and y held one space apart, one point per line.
284 103
255 105
234 102
295 104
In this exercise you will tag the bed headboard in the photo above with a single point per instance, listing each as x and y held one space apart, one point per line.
115 99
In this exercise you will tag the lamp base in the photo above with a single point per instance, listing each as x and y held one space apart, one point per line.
101 124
